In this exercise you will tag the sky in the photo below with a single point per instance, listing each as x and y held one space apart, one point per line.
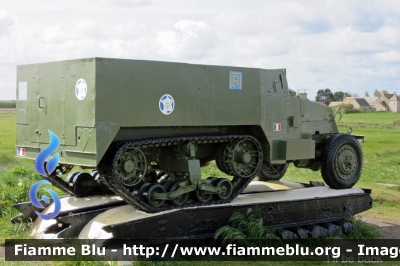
351 46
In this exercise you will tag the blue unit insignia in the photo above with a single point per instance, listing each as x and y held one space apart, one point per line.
235 80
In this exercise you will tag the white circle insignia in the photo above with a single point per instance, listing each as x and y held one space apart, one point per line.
80 89
166 104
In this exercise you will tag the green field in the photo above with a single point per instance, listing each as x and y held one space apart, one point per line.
381 166
380 120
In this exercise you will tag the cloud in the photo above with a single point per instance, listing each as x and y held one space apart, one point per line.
367 20
238 24
5 22
341 45
188 39
129 3
389 37
388 8
317 25
296 17
388 57
346 41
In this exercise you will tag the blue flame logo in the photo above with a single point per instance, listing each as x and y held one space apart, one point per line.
46 152
51 165
35 201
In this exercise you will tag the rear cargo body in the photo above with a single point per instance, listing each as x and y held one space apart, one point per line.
89 103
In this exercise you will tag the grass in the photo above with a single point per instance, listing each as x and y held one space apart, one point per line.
370 119
7 133
14 188
17 176
363 230
381 165
244 230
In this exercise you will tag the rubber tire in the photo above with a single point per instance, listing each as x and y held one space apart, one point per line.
203 198
329 173
264 175
70 178
78 188
139 189
219 183
95 174
149 191
182 200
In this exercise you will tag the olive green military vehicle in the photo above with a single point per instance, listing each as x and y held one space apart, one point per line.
146 128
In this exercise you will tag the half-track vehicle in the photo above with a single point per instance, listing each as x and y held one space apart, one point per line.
146 128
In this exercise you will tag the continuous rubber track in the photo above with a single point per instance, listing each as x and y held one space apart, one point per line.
109 177
62 185
65 187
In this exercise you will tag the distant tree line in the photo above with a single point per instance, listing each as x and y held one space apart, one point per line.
292 92
8 104
327 96
378 93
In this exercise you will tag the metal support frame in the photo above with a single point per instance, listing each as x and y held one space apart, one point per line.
202 222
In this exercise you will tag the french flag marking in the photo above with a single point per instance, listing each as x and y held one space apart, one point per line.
21 151
277 126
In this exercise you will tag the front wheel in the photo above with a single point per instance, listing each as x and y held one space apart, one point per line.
341 161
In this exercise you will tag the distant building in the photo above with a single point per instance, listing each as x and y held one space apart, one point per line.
389 102
302 95
347 99
394 104
381 107
361 104
386 102
332 104
370 100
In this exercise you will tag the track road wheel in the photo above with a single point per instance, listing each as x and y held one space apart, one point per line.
341 161
95 174
166 184
201 196
227 188
212 178
70 178
150 193
179 200
272 171
139 189
79 185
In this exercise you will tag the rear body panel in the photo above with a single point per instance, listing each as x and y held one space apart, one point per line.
52 104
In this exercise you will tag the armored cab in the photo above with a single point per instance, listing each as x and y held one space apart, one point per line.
147 127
